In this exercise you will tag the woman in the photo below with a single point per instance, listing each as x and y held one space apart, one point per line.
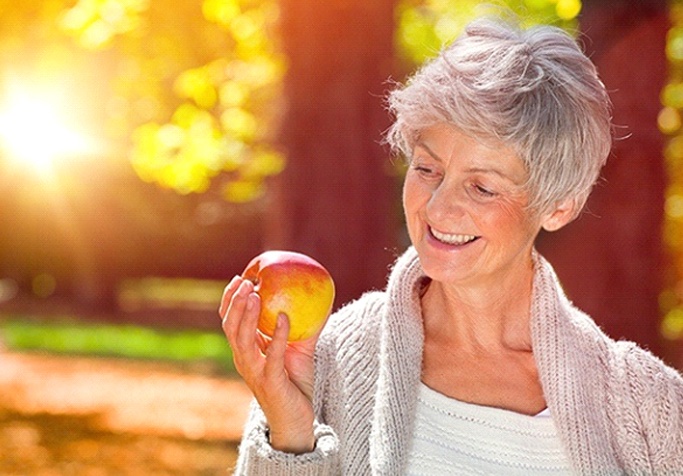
472 361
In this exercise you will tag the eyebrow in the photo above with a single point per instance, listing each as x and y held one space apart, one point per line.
478 170
424 146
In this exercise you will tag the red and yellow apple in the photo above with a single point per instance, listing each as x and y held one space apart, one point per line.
293 284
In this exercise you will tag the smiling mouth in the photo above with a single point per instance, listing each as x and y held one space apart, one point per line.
452 239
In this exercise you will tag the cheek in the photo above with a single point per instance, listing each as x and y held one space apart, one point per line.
413 199
507 219
411 194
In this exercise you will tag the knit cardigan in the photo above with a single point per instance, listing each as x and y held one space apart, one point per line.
618 409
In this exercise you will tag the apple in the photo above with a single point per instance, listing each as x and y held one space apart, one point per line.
294 284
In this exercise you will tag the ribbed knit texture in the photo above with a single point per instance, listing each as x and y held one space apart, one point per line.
617 408
454 438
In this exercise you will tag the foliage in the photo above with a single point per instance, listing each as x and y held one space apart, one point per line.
198 81
424 26
198 84
669 121
129 341
226 106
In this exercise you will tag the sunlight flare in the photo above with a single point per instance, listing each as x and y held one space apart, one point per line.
35 130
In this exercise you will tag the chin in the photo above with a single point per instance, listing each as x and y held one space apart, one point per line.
441 270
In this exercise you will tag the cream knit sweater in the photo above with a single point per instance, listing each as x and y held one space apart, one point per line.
618 409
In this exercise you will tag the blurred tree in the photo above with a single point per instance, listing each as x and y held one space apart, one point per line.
199 82
87 221
210 121
214 122
337 199
610 260
670 123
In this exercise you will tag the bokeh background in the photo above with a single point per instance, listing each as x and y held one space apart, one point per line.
150 148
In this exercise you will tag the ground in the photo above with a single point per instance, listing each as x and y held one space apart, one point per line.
97 417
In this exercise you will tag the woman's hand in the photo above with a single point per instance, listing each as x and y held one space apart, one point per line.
280 374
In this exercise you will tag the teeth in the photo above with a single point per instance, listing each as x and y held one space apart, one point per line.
453 239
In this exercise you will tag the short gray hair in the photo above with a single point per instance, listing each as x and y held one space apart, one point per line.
533 90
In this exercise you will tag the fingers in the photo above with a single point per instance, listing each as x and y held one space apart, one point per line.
227 295
239 308
245 332
275 353
259 360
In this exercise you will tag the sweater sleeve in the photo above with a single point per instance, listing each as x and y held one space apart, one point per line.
257 457
657 391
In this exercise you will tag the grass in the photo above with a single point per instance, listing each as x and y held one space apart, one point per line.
170 292
127 341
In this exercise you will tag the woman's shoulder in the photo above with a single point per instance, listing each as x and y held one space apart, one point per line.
639 394
624 360
648 395
644 373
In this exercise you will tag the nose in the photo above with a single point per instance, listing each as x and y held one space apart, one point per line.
447 202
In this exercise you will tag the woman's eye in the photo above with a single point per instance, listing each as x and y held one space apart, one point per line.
424 170
483 191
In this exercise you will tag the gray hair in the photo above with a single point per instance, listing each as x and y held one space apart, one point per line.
533 90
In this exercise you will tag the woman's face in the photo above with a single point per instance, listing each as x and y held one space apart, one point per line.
465 208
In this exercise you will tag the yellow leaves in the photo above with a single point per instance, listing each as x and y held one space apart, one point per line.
425 26
186 154
250 185
239 123
197 84
183 155
669 122
95 22
672 325
565 10
568 9
258 70
221 11
674 206
250 26
233 94
243 190
221 130
672 95
674 44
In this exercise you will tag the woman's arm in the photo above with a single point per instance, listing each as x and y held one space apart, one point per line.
282 434
258 457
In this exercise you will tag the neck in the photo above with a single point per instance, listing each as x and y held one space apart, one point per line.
481 318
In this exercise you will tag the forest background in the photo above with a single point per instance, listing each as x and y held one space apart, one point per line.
149 149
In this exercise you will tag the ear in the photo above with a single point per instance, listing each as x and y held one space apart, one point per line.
563 213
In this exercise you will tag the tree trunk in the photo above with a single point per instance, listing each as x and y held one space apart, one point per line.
610 259
337 198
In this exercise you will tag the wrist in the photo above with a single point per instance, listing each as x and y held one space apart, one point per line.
296 442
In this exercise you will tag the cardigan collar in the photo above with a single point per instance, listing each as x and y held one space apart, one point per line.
560 349
401 341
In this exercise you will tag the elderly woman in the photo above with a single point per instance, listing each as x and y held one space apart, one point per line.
472 361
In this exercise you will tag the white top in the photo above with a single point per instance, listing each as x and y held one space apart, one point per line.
453 437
